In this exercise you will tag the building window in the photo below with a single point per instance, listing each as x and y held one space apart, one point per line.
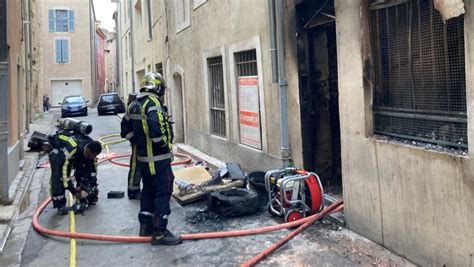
62 50
61 20
198 3
420 83
126 47
182 16
246 63
216 96
159 68
248 95
130 44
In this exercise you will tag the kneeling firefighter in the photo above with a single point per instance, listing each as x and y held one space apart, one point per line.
152 133
66 152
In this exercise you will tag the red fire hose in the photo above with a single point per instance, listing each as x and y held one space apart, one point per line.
303 224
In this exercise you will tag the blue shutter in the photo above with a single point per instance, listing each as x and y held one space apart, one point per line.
65 50
71 20
51 20
58 50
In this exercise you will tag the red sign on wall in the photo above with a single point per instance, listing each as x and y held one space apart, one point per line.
249 112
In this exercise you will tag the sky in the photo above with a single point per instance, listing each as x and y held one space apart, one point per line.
104 9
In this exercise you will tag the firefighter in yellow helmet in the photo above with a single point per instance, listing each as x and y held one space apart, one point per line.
152 132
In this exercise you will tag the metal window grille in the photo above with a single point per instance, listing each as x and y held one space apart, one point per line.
420 87
216 95
246 63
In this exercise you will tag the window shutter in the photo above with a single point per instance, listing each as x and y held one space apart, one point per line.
58 50
51 20
65 50
71 20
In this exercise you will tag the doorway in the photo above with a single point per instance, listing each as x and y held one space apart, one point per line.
318 80
177 109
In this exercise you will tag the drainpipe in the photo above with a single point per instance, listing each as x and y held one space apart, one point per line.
273 44
27 36
283 84
3 103
132 39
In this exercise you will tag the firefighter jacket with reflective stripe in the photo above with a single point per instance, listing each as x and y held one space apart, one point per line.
146 121
68 146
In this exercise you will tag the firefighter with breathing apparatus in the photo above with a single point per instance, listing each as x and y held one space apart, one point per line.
148 120
71 149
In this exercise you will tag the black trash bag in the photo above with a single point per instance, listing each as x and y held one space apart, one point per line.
233 202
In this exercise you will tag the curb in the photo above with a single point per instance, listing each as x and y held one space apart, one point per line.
22 188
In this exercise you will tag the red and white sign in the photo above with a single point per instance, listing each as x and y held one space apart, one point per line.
249 112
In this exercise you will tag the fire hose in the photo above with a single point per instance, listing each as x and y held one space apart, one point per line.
302 223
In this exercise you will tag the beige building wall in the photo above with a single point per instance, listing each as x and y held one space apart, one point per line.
222 28
124 35
415 202
79 65
16 86
111 62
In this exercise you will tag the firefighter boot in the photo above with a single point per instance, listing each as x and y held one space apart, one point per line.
165 238
146 230
63 210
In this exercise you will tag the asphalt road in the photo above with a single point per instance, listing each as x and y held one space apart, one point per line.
322 244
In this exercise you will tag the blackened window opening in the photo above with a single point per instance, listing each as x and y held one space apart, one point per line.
420 83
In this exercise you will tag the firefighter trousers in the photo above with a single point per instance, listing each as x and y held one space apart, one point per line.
57 189
134 175
156 194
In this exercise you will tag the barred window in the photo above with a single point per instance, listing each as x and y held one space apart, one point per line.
216 96
420 83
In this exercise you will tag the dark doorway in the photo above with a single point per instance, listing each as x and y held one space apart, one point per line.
317 67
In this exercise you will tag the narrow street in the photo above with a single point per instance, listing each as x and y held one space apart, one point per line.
322 244
350 121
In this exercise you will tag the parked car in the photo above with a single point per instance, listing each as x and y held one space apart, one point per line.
110 103
73 105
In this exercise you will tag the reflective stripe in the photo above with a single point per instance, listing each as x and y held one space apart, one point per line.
137 117
133 187
58 197
149 146
133 166
163 124
155 158
68 139
69 154
129 135
157 108
157 139
146 213
126 117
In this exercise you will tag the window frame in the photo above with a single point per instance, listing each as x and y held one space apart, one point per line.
182 25
213 95
61 50
53 20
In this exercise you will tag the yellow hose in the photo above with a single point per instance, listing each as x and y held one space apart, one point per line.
106 144
72 229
